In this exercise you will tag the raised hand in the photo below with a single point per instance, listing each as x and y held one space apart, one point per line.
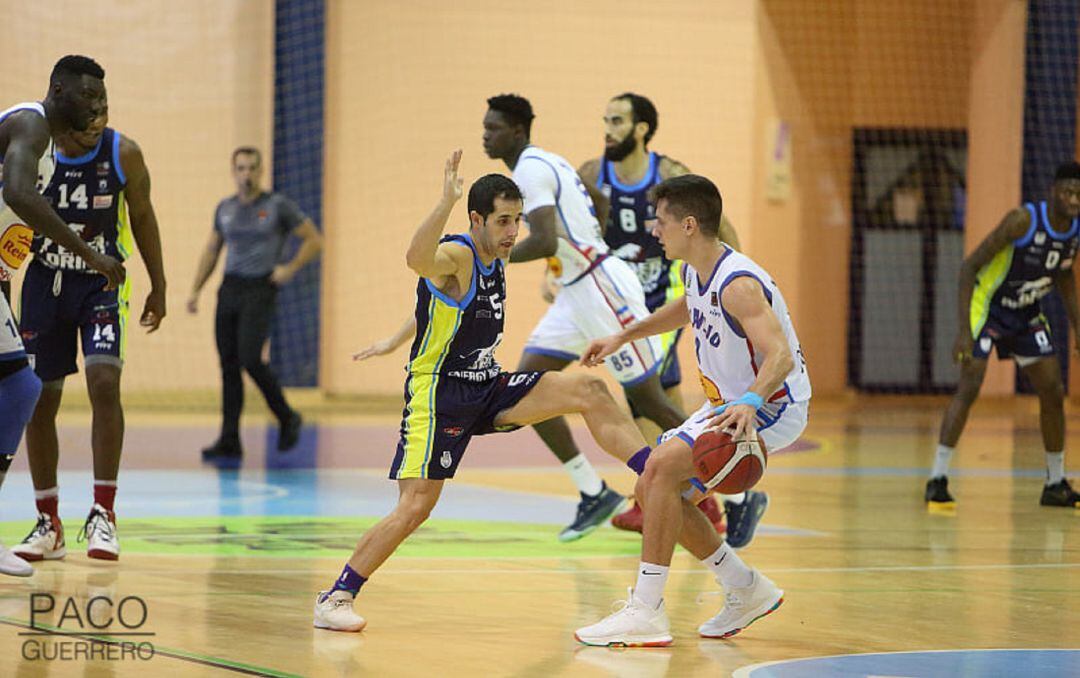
453 185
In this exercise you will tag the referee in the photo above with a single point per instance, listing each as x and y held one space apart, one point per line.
254 224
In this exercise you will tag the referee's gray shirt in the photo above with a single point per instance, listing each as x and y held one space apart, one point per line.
254 234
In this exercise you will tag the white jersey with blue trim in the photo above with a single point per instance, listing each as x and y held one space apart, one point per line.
546 179
727 361
15 236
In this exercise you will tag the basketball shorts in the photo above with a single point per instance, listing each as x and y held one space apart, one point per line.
1020 333
59 308
443 413
778 424
599 304
11 345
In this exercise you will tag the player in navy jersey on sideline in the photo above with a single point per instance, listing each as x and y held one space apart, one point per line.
101 188
454 388
1030 253
75 98
623 178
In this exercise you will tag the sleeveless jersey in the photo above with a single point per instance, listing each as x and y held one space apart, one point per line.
88 194
1022 273
630 209
458 338
581 245
15 236
727 361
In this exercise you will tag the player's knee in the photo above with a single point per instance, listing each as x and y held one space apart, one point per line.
590 390
414 512
103 385
1052 392
660 470
250 361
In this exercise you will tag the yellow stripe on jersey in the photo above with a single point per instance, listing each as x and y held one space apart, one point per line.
987 282
125 239
442 325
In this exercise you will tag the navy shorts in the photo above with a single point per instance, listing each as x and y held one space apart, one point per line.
442 414
59 307
1022 333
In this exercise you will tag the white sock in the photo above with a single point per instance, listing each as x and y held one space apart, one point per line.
941 461
650 584
728 568
53 491
584 475
735 498
1055 467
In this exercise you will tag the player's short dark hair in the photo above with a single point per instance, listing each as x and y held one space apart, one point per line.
692 195
76 64
1067 170
517 110
248 150
484 190
643 111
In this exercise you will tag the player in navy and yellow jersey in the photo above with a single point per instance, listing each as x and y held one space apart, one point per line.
75 98
454 388
623 178
101 188
1030 253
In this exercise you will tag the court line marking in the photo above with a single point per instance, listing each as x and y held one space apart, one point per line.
535 571
745 671
172 653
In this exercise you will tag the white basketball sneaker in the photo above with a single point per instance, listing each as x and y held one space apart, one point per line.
334 611
743 606
13 564
100 533
45 541
632 625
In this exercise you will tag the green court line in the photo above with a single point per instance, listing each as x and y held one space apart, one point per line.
173 653
321 537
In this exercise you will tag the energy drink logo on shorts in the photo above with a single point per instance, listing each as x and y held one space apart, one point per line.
14 247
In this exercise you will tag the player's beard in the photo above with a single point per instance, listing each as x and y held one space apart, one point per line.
620 150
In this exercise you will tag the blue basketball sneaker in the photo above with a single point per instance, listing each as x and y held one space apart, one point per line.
592 512
743 519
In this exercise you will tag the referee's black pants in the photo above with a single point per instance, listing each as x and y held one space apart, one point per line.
245 310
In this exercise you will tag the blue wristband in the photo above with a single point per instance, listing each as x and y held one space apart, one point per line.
749 398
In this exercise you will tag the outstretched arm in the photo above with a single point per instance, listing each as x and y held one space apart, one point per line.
391 343
424 256
670 316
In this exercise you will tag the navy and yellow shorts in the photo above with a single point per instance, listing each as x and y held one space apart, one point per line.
443 413
1021 333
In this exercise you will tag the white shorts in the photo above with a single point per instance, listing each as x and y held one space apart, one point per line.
11 346
598 305
778 424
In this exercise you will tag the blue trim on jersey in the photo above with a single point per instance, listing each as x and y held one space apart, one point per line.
486 270
702 287
13 355
686 438
550 352
1026 239
86 157
1071 233
558 193
449 301
645 181
116 158
720 293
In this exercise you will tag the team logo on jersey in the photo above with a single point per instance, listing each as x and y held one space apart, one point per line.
714 299
102 202
15 245
103 185
446 460
712 392
103 168
1040 237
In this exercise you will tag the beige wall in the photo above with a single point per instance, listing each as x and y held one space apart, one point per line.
188 81
407 83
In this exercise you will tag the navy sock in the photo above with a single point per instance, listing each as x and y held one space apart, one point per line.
348 581
637 462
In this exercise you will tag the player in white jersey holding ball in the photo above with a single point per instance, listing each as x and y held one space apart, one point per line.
600 294
754 376
27 160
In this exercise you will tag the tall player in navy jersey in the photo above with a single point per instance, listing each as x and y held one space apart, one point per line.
623 178
101 188
1030 253
454 388
76 96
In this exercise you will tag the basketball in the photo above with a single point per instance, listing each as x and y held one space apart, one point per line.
729 466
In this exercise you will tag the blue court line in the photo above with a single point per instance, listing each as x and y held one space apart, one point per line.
984 663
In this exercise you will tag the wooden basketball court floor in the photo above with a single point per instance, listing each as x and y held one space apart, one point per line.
220 566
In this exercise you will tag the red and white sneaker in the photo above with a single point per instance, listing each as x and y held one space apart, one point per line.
100 533
45 541
632 520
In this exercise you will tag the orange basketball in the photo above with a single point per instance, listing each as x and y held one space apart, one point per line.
728 466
